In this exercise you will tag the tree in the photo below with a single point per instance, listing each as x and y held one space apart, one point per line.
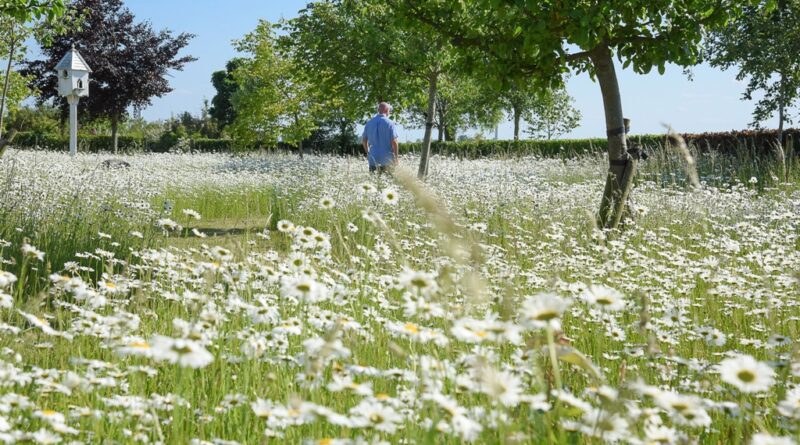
221 106
337 44
763 43
518 99
552 115
461 101
273 103
130 61
15 18
365 55
543 39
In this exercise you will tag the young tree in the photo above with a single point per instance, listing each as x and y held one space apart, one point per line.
544 38
366 55
18 19
552 115
130 61
763 43
273 103
461 101
221 106
518 98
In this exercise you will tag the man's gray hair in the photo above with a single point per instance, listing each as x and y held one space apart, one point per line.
384 108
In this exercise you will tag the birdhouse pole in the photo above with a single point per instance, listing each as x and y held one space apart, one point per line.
73 83
73 100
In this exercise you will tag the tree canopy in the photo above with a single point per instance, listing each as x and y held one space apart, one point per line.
274 101
27 10
552 115
763 45
222 109
544 39
130 61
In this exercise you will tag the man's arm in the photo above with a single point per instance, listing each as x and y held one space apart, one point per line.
395 149
365 144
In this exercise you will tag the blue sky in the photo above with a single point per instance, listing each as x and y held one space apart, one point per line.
711 102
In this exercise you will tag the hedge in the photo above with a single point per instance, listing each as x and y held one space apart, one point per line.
756 143
86 143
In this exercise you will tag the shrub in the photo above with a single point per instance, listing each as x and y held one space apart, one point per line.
86 143
756 144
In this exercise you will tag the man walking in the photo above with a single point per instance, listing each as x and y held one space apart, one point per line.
380 140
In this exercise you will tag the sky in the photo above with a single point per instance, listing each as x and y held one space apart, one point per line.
709 102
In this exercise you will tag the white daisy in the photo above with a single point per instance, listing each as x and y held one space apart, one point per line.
183 352
746 373
390 196
767 439
604 297
543 310
327 203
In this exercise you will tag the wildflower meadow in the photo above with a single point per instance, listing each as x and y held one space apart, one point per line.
219 299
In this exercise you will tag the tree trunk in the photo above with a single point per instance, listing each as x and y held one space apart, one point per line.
4 143
440 130
517 115
12 48
115 132
622 168
781 110
426 141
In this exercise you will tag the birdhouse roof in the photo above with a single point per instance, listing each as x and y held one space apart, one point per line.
72 60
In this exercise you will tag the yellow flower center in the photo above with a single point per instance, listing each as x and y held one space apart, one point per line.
746 376
411 327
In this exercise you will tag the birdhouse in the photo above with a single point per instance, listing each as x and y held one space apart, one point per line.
73 75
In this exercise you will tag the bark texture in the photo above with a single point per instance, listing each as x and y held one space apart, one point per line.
422 172
622 168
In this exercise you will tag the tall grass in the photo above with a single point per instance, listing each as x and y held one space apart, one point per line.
691 260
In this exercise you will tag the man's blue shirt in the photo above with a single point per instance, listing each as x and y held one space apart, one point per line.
379 132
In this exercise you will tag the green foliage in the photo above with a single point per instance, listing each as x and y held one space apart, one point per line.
274 101
350 56
18 91
552 115
118 80
222 109
27 10
763 45
86 143
750 144
518 99
205 145
536 37
141 129
41 120
461 102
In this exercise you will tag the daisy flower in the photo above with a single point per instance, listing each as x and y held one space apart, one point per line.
767 439
191 213
543 310
327 203
746 373
183 352
6 278
604 297
32 252
390 196
418 283
285 226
